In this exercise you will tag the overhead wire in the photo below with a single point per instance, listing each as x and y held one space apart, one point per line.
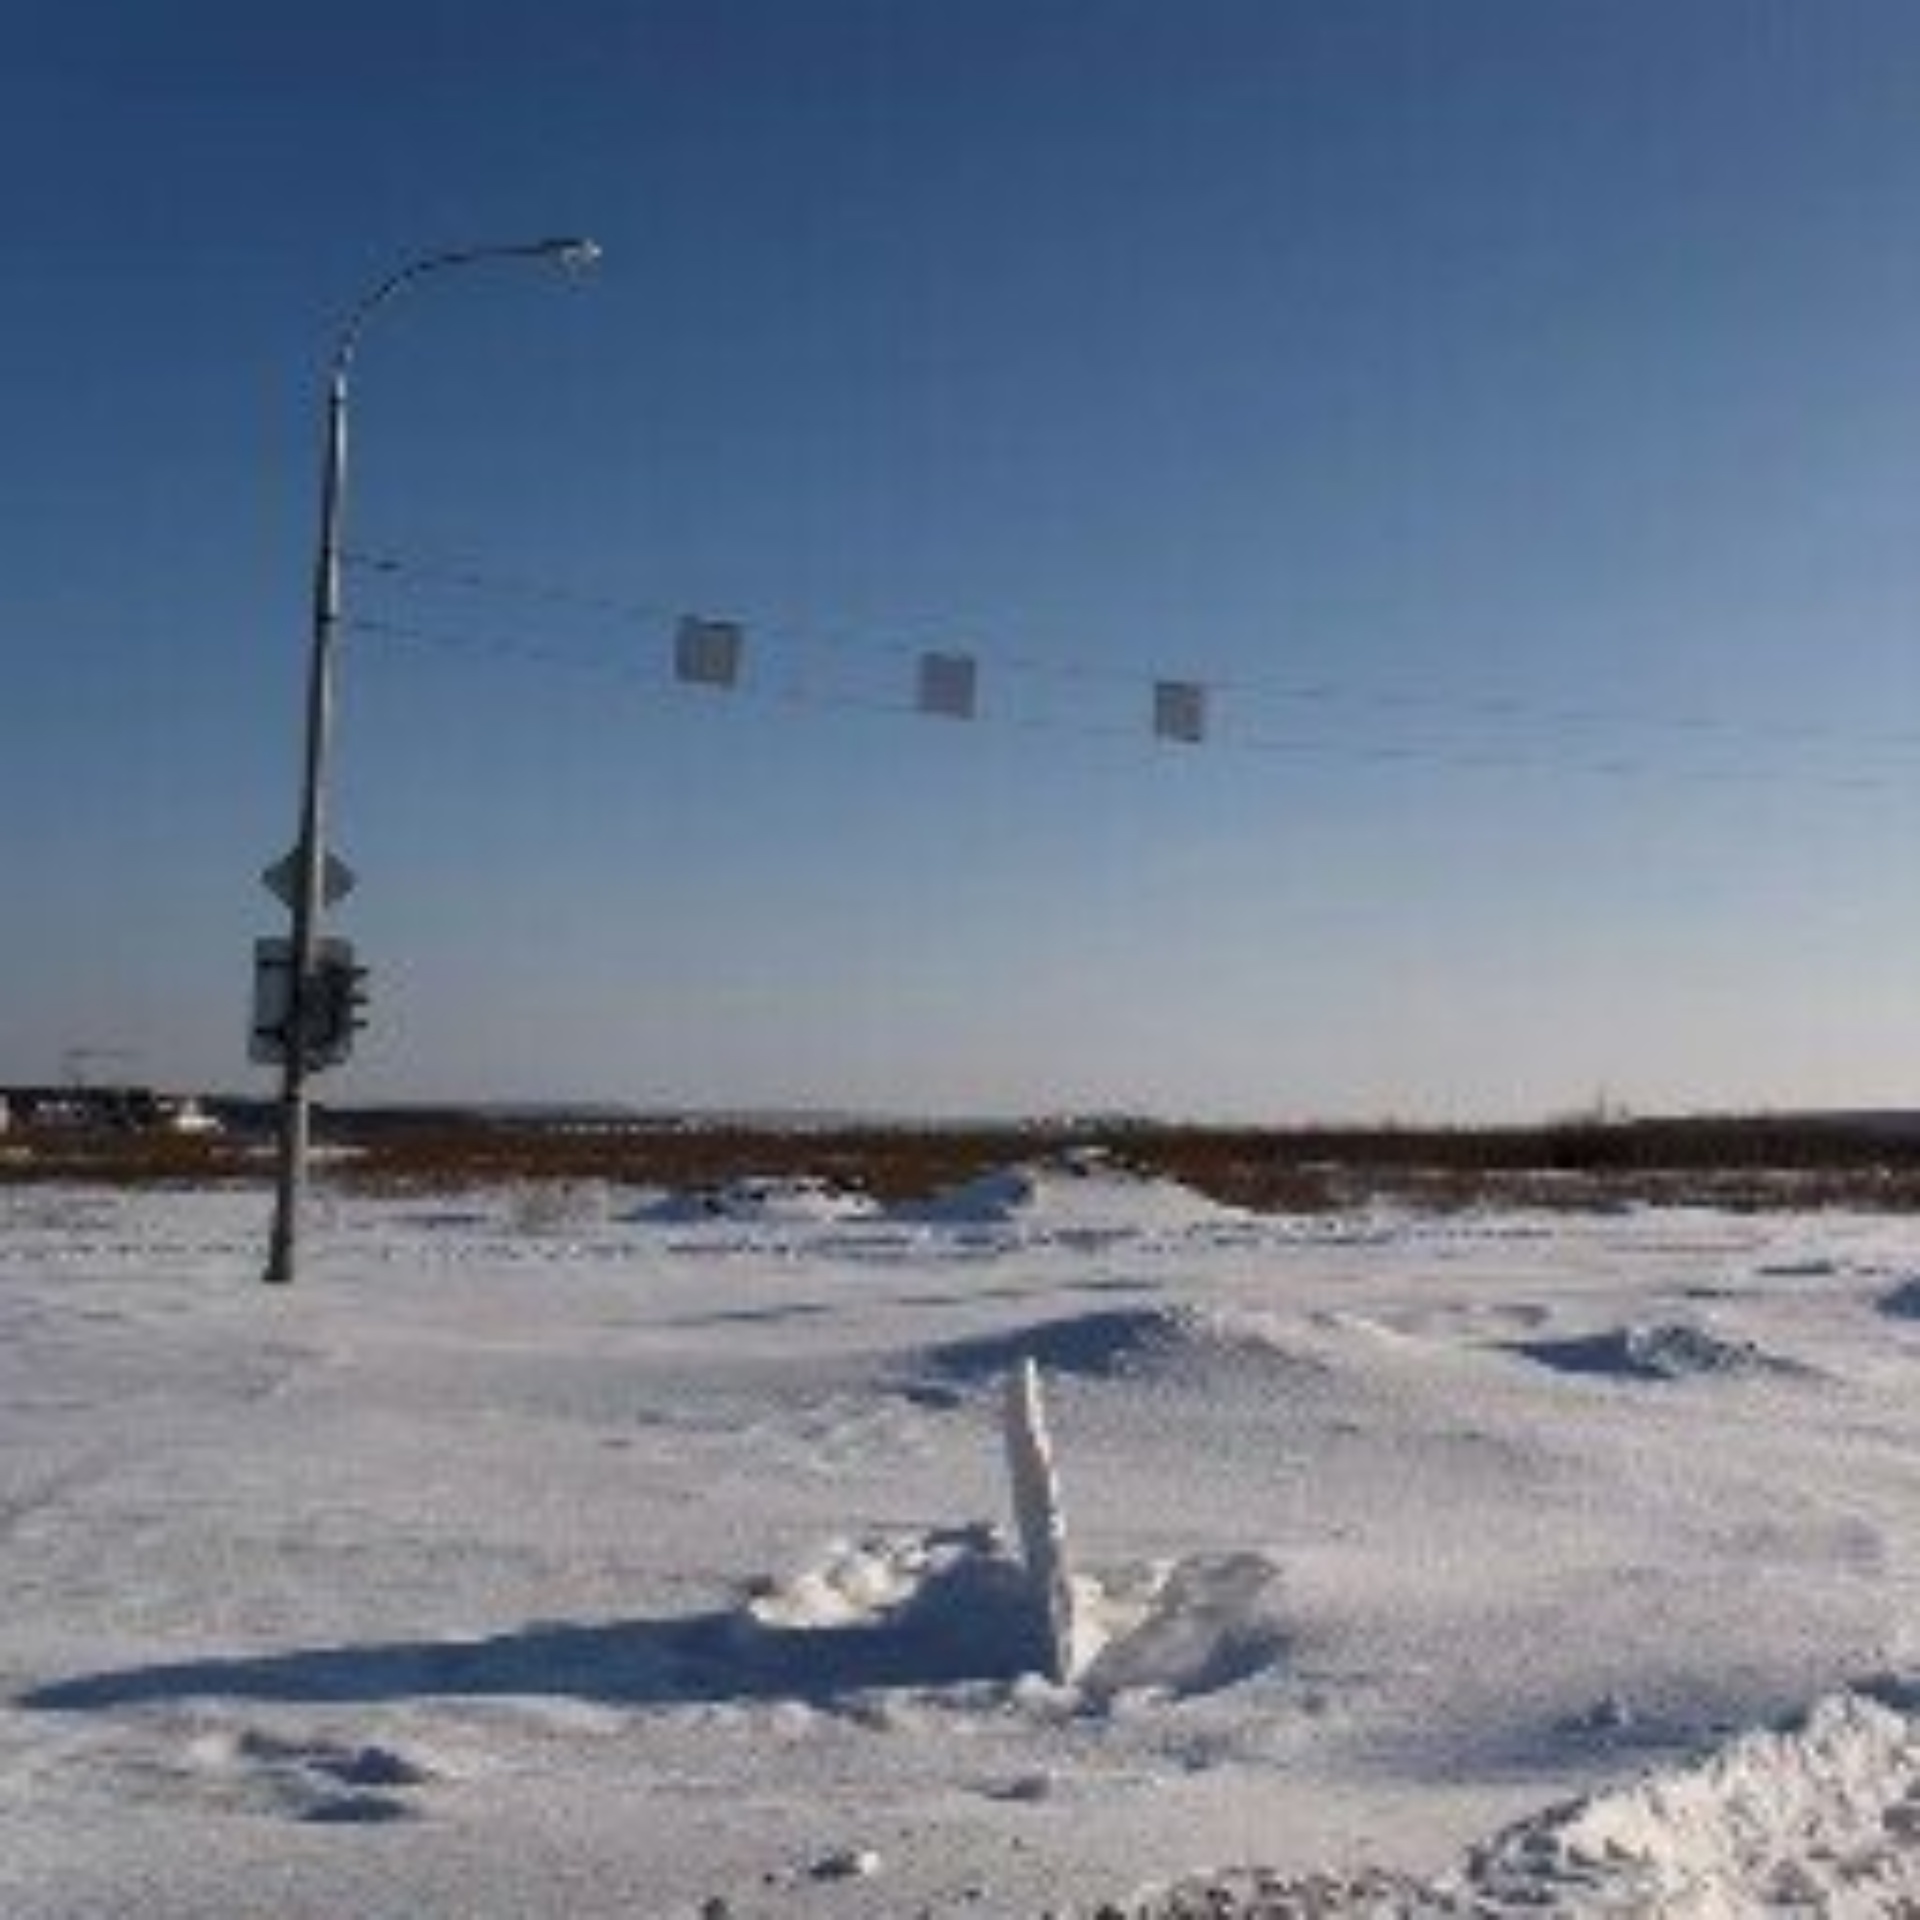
1291 747
1502 707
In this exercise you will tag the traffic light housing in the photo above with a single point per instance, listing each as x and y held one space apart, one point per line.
335 1003
340 1011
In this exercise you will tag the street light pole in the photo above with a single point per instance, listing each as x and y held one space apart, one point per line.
310 848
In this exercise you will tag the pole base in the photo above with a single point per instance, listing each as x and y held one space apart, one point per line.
278 1271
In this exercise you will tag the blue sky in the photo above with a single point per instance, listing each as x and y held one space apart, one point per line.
1532 381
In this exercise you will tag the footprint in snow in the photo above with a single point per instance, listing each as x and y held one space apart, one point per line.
320 1782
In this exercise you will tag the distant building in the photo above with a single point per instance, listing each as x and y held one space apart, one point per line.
104 1110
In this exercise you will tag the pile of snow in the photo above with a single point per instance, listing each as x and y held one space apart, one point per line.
1124 1343
1077 1193
760 1201
896 1609
1823 1818
1179 1628
932 1579
1660 1351
924 1610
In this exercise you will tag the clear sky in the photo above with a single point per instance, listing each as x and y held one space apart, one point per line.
1494 391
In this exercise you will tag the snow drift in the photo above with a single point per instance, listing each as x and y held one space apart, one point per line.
1126 1343
1659 1351
1819 1818
1075 1195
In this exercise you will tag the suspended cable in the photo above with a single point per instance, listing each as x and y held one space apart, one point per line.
1296 748
1503 708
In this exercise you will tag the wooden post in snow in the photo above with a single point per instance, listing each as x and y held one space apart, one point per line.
1041 1521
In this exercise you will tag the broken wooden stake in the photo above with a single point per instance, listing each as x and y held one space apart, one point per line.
1041 1522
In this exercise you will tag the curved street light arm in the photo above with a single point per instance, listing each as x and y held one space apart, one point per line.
570 251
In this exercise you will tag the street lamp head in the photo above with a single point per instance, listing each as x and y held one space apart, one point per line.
575 254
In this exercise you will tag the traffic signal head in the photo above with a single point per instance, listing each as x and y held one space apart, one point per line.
340 1004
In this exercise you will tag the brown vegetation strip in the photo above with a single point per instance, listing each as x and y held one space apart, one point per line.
1744 1164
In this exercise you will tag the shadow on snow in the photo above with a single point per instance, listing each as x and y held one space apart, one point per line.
946 1636
701 1660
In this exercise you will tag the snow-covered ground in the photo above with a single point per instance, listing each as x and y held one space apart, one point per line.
617 1554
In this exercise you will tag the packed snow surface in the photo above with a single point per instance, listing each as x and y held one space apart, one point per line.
581 1553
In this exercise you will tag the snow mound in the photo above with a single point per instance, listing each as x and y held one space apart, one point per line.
950 1602
1124 1343
799 1201
1822 1818
1183 1627
1077 1193
925 1610
1657 1351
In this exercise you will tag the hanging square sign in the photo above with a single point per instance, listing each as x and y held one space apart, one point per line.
706 653
1180 711
949 684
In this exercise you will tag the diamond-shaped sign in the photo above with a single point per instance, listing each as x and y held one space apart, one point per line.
283 880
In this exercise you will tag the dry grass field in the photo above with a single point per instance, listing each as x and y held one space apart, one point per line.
1737 1163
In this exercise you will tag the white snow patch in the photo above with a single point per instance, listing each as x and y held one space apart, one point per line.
1822 1818
1072 1195
759 1201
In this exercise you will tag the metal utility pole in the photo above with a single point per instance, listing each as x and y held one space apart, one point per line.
310 848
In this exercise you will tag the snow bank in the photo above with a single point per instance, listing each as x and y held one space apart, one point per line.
1075 1194
1822 1818
1124 1343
